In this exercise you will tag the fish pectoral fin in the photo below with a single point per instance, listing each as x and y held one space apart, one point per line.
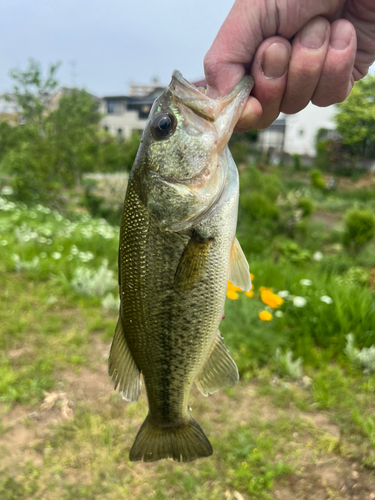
239 272
122 369
219 371
192 265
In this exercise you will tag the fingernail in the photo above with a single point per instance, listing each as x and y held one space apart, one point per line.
341 35
275 60
212 92
313 35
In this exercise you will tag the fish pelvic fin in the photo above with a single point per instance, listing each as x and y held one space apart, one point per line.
184 443
219 371
239 273
122 368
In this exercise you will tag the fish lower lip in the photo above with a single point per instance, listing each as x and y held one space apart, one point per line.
194 180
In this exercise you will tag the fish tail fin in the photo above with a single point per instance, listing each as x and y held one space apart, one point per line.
184 443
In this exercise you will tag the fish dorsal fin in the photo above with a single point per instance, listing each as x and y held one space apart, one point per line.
122 368
219 371
239 273
192 265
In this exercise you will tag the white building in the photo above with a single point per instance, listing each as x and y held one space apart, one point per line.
125 114
301 129
296 134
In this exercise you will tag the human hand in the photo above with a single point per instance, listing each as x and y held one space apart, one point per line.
296 50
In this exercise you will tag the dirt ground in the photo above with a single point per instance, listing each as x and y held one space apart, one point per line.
331 477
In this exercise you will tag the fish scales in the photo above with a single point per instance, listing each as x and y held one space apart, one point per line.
173 271
166 327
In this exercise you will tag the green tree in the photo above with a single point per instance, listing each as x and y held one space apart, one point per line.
54 147
32 92
356 119
72 130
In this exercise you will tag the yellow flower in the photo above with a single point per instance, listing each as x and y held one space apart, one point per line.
251 277
249 294
265 316
271 299
233 288
232 295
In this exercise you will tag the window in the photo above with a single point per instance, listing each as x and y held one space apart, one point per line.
119 132
111 106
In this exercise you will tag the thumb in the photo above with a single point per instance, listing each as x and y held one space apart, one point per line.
233 49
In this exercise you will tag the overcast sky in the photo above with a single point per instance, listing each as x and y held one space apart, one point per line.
111 43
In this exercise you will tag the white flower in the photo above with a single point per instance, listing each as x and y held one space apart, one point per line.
4 243
326 299
7 190
43 255
318 256
74 250
56 255
299 302
85 256
279 314
283 294
306 282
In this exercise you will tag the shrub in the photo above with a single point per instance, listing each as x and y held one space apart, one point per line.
364 358
297 165
317 179
93 283
359 228
286 367
306 205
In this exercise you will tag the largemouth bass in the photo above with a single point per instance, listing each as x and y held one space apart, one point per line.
177 251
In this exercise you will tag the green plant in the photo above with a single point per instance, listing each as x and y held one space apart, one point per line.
297 165
306 205
93 283
359 228
364 358
317 179
286 367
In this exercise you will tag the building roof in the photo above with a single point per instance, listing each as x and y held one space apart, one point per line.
133 99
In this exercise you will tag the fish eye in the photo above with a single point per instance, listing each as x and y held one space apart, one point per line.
163 125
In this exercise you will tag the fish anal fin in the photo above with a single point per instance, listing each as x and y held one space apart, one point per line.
122 368
219 371
184 443
239 273
192 265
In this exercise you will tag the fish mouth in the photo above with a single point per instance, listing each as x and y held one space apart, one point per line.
223 112
196 180
202 105
187 94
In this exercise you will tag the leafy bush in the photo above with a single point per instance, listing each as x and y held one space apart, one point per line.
355 275
292 251
297 165
286 367
359 228
306 205
317 179
94 283
364 358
